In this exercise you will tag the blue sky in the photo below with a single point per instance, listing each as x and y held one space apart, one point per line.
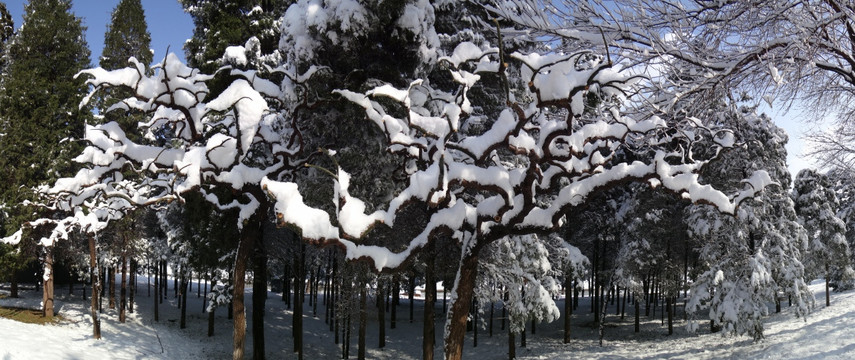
170 27
168 24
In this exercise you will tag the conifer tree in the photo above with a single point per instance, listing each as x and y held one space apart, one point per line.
39 103
126 36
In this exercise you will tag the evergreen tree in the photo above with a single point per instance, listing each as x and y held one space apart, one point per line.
40 98
39 106
126 36
828 253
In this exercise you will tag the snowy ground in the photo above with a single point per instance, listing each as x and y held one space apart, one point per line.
828 333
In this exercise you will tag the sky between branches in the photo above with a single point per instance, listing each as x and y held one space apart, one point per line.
170 27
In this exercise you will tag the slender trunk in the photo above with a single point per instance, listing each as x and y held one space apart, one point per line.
381 315
412 291
286 287
111 278
512 345
456 318
245 247
211 321
568 306
156 291
14 289
491 318
132 280
522 336
259 295
637 314
299 293
47 295
185 284
670 315
363 321
827 295
475 323
396 292
96 284
123 290
429 330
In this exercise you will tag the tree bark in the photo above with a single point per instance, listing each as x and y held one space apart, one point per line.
299 296
381 315
185 284
247 242
156 291
363 321
827 295
47 295
429 330
132 280
123 290
456 318
568 306
14 290
512 345
96 284
259 296
111 278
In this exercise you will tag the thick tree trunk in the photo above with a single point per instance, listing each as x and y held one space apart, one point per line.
456 318
96 284
47 295
123 290
259 297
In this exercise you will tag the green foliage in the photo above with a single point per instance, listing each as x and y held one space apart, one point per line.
127 36
39 101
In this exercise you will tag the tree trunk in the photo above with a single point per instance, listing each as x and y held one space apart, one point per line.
396 294
412 291
456 318
299 291
123 290
14 289
827 295
363 321
111 296
512 345
568 306
156 291
381 315
47 295
246 245
185 284
259 296
96 284
211 321
637 313
429 330
132 280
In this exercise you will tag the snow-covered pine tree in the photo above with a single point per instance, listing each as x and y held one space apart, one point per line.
827 254
750 259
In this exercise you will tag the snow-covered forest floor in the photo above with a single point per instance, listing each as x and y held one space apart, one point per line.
827 333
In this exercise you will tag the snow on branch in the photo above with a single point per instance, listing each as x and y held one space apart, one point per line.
526 170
